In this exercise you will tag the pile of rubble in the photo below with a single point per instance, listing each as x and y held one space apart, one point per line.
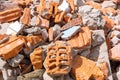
60 39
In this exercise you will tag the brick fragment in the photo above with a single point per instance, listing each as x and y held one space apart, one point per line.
82 39
58 60
114 53
26 18
73 22
109 23
23 2
116 1
10 14
51 34
44 22
94 4
36 58
11 48
85 69
71 3
59 17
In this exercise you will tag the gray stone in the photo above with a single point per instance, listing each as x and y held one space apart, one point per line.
97 38
115 41
109 3
33 20
34 75
91 17
33 30
47 77
44 34
85 53
117 27
8 72
15 61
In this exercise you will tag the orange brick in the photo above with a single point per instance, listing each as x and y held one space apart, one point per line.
26 18
109 23
73 22
109 10
11 48
59 59
53 8
10 14
23 2
114 53
51 34
71 2
31 42
82 39
41 6
94 5
44 22
59 17
85 69
36 58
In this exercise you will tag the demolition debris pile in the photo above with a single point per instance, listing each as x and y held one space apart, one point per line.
60 39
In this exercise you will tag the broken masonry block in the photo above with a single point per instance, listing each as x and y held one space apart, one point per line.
67 34
26 17
15 61
34 75
14 28
110 3
116 1
41 7
99 54
10 15
93 4
8 72
72 5
33 30
4 27
3 38
44 23
85 69
44 34
73 22
97 38
59 17
11 48
36 58
82 40
114 52
30 42
59 59
51 34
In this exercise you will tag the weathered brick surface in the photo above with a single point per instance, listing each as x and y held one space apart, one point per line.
36 58
59 59
11 48
73 22
85 69
82 39
10 15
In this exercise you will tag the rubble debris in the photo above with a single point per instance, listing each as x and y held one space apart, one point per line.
83 71
82 39
26 18
114 52
73 22
59 39
58 54
14 28
11 48
15 61
37 74
66 34
91 17
36 58
10 15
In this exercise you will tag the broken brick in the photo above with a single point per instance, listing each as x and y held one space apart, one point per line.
51 34
44 23
41 7
58 60
116 1
71 2
10 15
94 4
11 48
82 39
36 58
85 69
26 18
114 53
109 23
23 2
73 22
